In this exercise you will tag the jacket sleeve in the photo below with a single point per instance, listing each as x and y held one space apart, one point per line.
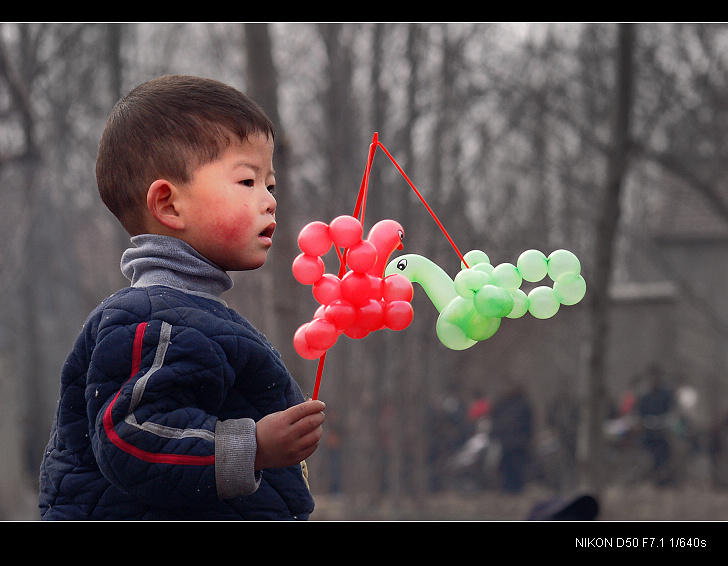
152 391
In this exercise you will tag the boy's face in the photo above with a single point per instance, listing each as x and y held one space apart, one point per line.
229 208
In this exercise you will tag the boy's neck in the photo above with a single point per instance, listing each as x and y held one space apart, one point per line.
169 261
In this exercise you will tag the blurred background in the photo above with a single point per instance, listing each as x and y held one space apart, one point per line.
605 139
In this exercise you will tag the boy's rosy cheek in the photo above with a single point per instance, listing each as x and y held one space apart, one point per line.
230 229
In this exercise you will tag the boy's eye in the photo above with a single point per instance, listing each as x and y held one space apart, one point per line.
248 182
271 189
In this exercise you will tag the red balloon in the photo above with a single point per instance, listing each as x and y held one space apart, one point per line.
376 291
345 231
302 347
357 331
327 288
371 315
361 256
356 288
398 315
314 239
386 235
341 313
397 287
321 334
308 269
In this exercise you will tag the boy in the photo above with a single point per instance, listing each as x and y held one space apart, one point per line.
173 406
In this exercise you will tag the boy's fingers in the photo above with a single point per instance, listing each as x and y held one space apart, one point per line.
307 416
307 408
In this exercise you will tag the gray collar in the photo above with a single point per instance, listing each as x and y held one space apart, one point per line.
168 261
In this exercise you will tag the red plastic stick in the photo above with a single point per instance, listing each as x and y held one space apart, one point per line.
361 202
319 373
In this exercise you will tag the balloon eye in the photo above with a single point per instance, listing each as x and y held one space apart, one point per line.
402 264
401 236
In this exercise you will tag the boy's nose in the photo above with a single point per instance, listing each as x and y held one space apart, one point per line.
271 204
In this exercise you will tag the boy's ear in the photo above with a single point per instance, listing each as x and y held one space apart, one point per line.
162 204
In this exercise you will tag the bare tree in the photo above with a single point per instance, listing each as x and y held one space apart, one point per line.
283 295
594 404
23 385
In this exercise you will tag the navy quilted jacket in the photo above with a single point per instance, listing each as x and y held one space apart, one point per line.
159 399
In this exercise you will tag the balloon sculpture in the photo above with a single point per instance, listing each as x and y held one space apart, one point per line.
472 305
361 300
369 296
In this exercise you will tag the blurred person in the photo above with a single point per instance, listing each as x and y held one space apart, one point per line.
563 420
655 411
448 430
470 464
558 508
511 422
478 408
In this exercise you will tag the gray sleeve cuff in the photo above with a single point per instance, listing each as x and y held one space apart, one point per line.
235 448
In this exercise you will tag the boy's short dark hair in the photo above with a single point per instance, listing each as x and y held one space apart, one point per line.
164 129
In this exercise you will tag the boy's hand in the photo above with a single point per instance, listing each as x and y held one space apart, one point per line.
288 437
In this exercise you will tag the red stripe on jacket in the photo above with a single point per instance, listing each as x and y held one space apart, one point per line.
136 359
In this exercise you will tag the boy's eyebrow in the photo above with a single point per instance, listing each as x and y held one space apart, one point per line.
252 166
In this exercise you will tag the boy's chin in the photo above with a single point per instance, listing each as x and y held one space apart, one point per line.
246 266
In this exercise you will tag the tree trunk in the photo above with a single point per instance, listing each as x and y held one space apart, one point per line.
594 401
283 298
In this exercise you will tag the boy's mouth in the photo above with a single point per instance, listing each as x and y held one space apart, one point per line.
267 234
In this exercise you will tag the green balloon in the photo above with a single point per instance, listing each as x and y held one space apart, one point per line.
474 257
492 301
459 311
570 289
468 281
506 275
542 302
520 304
453 336
562 263
452 322
532 265
481 327
484 267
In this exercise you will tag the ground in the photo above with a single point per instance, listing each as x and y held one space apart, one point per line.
637 502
